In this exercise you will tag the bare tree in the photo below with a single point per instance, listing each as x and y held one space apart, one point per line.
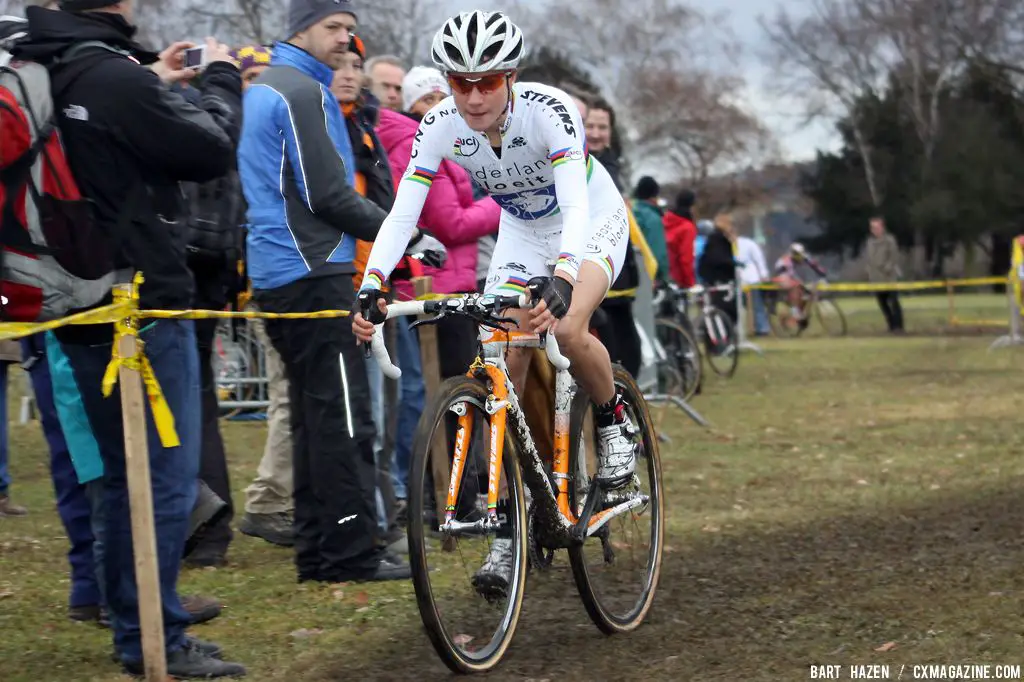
925 58
987 31
403 28
694 122
833 56
669 102
243 21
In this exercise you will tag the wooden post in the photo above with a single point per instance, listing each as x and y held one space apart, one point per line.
952 308
751 314
439 467
140 495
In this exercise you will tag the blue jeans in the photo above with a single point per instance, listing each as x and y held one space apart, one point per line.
412 394
761 324
171 350
5 476
73 504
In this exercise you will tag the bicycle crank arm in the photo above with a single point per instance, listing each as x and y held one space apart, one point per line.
618 510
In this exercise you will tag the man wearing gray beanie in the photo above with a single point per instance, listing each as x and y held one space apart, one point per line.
297 167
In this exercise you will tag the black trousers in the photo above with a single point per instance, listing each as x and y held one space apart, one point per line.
889 302
456 345
336 534
618 334
213 465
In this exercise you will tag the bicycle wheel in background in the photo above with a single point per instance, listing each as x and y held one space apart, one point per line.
616 570
470 621
682 354
721 345
831 317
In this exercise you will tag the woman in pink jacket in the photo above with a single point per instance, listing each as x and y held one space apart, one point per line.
450 214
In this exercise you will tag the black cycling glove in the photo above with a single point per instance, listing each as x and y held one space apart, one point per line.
558 296
366 303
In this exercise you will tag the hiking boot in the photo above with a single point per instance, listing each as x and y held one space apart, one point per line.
90 613
277 529
208 510
202 609
205 557
390 568
494 577
191 662
8 508
206 648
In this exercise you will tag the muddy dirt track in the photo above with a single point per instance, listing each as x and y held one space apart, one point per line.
766 604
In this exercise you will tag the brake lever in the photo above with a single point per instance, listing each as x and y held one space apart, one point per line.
428 320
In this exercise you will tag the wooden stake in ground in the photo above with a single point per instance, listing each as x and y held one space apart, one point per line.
439 467
140 495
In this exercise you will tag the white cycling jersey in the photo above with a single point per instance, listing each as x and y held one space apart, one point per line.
544 179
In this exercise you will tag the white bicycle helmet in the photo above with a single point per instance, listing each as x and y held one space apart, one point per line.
478 42
797 249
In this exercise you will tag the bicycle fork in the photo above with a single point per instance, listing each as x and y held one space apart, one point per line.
497 407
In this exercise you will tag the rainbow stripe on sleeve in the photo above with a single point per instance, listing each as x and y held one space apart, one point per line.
557 158
374 278
424 176
513 285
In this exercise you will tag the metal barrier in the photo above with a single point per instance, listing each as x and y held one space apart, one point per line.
240 367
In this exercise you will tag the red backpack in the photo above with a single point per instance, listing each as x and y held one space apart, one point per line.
54 260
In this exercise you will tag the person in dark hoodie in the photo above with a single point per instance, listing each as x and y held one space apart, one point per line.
717 265
214 248
617 327
130 141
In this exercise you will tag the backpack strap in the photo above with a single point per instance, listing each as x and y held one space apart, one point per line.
76 50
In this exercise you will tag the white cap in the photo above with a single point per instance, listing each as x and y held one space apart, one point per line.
420 81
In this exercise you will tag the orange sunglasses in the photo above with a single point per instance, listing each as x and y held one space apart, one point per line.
485 84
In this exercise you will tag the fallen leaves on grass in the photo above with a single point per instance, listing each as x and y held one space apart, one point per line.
305 633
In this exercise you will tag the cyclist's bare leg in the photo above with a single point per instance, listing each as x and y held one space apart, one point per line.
589 361
518 359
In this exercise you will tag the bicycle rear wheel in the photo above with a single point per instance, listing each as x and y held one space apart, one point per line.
617 568
831 317
721 345
470 627
682 354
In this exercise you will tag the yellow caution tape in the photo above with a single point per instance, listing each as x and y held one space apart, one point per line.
128 326
106 315
892 286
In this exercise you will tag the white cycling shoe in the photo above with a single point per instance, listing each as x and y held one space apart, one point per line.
616 454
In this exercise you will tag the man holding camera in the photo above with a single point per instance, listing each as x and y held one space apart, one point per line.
297 167
129 141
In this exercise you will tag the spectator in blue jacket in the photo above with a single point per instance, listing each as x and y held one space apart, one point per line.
297 168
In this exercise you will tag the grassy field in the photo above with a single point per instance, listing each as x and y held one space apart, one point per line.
857 501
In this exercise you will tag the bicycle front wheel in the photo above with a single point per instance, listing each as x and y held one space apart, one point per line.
616 568
831 317
469 595
721 345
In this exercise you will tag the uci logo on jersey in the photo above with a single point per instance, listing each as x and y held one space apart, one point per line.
466 146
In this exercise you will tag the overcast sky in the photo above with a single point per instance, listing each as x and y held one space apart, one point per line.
782 117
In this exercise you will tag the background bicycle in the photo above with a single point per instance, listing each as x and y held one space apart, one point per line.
817 305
